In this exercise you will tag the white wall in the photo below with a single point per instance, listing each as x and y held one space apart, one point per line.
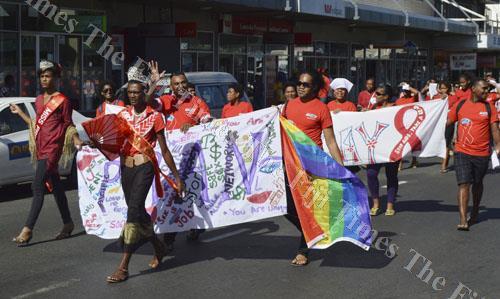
415 6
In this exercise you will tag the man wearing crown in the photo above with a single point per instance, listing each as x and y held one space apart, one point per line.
53 139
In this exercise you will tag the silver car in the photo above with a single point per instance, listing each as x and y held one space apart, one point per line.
15 161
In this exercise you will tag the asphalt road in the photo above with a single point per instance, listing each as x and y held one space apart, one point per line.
253 260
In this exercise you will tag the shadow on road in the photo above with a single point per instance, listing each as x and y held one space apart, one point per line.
256 241
82 233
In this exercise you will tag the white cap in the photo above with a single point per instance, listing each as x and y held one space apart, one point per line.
341 83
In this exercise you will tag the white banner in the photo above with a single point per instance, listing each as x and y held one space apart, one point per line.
388 134
232 169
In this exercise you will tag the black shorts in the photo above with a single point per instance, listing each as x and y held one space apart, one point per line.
470 169
448 134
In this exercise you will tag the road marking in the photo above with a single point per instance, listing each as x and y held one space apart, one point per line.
55 286
400 183
226 235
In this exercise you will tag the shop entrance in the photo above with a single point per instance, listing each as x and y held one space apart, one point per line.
34 48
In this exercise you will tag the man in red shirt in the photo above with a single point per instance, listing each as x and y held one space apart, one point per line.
476 125
311 116
365 96
341 88
235 106
182 111
465 91
325 89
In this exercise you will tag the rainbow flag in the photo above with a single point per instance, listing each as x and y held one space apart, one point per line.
331 202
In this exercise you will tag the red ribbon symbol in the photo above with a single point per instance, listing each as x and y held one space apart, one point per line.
409 134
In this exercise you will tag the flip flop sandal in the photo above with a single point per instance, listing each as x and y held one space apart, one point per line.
23 239
463 227
390 212
297 262
374 211
113 278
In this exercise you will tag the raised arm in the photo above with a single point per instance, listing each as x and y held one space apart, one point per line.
16 110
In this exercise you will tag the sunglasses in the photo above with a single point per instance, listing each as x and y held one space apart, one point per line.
304 84
107 90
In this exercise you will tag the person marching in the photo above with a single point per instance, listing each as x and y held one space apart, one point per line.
477 123
366 98
107 92
391 169
289 91
444 90
409 96
311 116
235 105
139 168
464 92
51 139
182 111
341 88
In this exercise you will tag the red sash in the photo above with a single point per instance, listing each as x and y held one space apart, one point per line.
51 106
143 146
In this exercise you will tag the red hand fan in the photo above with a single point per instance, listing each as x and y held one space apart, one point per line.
108 133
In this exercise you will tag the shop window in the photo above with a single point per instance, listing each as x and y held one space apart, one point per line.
93 76
339 50
9 45
188 62
321 48
204 41
70 60
205 62
234 44
9 16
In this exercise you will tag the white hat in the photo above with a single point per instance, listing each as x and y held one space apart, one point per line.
341 83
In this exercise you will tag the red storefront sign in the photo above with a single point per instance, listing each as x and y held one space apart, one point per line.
243 25
280 26
187 29
486 61
247 25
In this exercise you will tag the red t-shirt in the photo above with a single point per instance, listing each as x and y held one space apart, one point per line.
404 101
147 124
492 97
230 110
473 136
50 139
323 92
463 94
311 117
364 98
345 106
452 99
192 110
101 110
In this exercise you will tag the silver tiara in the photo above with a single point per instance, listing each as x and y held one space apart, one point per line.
45 64
134 73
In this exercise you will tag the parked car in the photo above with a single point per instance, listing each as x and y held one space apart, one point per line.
210 86
15 160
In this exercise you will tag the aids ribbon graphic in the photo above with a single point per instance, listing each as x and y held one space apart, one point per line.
409 134
371 141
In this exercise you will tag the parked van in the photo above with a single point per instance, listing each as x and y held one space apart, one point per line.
210 86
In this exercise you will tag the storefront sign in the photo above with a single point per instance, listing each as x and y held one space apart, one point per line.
244 25
486 61
331 8
280 26
303 38
488 41
463 62
187 29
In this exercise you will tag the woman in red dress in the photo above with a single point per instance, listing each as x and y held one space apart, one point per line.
52 138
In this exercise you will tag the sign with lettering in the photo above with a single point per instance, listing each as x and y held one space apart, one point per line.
389 134
463 62
232 169
332 8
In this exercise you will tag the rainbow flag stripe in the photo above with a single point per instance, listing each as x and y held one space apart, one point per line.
331 202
